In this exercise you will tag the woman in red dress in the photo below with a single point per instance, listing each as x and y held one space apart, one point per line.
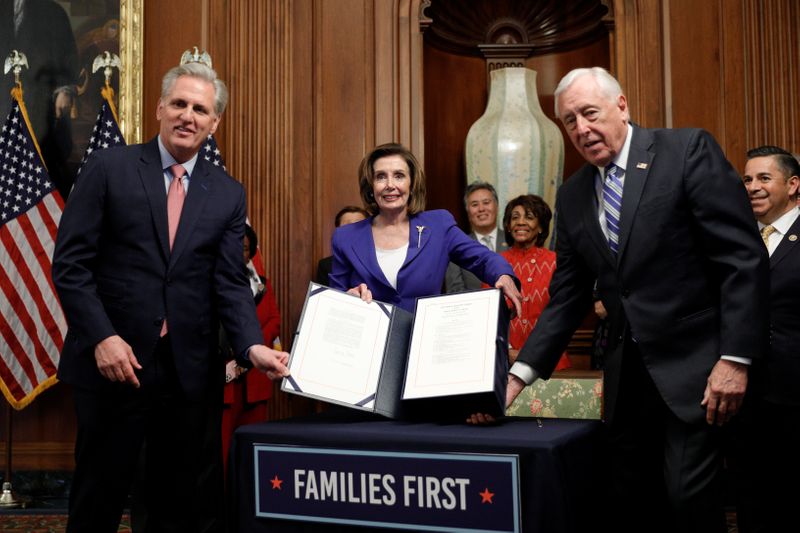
246 392
527 224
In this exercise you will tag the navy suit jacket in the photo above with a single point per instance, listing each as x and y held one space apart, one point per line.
689 283
422 273
783 362
115 274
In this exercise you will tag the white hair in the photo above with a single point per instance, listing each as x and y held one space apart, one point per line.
608 84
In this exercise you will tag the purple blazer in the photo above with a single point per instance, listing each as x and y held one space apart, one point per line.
422 274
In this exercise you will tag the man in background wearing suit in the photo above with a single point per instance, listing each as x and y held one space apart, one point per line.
147 263
480 199
659 218
770 441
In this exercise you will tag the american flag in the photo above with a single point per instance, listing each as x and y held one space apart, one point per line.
32 325
210 152
106 132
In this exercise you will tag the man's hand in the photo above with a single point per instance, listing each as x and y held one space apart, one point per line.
116 361
270 361
725 390
600 309
362 291
515 386
506 284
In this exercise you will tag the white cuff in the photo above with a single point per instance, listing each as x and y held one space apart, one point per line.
525 372
743 360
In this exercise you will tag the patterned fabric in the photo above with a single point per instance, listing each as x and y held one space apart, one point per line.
612 205
210 152
766 231
106 132
562 397
534 267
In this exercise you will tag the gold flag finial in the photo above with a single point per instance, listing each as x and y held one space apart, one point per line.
107 61
196 57
15 60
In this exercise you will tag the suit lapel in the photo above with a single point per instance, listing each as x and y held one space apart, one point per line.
786 244
199 189
363 247
638 167
152 177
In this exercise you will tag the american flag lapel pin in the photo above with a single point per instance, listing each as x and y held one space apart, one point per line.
641 165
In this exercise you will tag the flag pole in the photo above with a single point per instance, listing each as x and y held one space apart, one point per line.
8 500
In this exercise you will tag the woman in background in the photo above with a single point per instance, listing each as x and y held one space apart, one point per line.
526 222
246 392
401 252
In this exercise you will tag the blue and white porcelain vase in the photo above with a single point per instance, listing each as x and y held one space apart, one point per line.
514 145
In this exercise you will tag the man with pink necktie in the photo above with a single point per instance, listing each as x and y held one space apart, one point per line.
147 263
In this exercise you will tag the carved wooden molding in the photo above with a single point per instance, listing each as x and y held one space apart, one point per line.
542 25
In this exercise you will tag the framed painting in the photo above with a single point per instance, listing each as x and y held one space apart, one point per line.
61 39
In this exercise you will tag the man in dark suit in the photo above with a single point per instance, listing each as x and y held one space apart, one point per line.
660 220
480 200
768 443
147 262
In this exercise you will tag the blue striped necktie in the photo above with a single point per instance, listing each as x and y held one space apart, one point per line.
612 205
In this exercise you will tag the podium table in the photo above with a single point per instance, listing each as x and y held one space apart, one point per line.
559 462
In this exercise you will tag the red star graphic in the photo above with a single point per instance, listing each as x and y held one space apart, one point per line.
486 496
276 482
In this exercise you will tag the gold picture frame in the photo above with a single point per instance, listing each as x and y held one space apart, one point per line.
130 80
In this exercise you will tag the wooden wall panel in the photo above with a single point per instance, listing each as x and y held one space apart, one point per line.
343 108
638 59
455 97
735 70
771 72
169 29
696 52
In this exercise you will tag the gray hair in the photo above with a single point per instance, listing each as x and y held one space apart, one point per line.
608 84
203 72
477 186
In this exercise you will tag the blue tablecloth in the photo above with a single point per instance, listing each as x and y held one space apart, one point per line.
559 462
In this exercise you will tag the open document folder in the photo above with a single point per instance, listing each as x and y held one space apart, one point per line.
447 359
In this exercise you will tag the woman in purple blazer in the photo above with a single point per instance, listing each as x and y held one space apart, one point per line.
401 252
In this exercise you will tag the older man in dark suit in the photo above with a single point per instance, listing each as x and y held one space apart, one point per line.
768 443
660 220
147 263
